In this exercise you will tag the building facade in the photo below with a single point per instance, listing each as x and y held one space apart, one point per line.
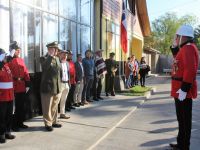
77 24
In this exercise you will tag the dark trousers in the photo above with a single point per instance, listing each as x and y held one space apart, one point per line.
142 79
70 100
97 87
87 88
184 117
19 109
6 111
109 83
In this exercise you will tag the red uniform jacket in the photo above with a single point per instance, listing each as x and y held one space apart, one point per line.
72 72
20 74
6 84
184 71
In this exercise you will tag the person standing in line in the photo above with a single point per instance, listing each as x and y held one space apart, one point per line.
79 81
51 86
72 74
136 72
88 66
64 82
21 85
143 71
128 72
6 99
184 84
100 71
111 66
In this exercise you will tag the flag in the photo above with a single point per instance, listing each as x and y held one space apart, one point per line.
124 40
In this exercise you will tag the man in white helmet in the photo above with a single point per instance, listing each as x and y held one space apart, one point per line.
184 84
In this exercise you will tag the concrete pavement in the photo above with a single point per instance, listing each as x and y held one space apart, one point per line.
122 123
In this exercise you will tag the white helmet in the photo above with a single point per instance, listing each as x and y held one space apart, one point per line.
185 30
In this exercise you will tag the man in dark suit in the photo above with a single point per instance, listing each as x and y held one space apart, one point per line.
50 86
79 82
111 66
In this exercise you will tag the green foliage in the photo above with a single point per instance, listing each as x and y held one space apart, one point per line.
197 36
164 29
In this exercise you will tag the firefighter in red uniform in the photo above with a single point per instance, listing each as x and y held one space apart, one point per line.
21 81
6 99
184 84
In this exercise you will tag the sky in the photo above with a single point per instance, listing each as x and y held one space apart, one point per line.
158 8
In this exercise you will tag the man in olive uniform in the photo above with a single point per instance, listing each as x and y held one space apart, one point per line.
51 86
111 66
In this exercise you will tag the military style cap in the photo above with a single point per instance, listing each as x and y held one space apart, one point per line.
14 45
112 54
52 45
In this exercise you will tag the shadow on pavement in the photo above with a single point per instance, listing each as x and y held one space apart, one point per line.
164 121
163 130
158 142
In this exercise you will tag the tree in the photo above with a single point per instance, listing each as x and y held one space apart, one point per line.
164 29
197 36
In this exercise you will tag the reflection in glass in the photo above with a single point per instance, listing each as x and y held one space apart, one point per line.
85 11
50 30
73 40
38 51
23 32
85 39
51 5
65 33
68 8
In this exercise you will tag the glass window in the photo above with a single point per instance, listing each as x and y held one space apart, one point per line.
110 43
50 30
73 40
65 33
79 39
85 39
51 5
23 32
85 11
68 9
4 22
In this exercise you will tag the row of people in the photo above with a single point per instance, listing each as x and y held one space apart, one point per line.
132 69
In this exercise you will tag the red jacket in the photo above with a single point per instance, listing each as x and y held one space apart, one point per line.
184 71
72 72
6 84
20 74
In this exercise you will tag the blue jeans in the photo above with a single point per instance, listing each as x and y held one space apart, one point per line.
86 89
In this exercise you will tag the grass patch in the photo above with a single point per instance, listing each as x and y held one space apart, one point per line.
136 91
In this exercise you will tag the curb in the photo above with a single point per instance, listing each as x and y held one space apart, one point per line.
148 94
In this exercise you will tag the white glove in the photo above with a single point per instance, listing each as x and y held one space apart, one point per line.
12 52
27 89
182 95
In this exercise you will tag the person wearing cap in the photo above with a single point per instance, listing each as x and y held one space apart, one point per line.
6 99
100 71
64 82
51 86
79 81
21 80
111 66
184 84
88 66
72 74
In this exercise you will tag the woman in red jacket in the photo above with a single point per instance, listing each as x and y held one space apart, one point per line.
184 84
6 99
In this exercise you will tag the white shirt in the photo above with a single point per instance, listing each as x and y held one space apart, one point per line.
64 72
82 68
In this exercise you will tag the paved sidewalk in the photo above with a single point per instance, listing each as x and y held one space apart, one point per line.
113 124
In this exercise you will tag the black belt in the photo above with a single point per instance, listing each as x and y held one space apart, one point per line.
18 79
65 81
179 78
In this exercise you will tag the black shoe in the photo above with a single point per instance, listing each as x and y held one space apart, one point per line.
99 97
9 136
23 126
174 146
68 109
71 107
112 94
107 94
15 129
56 125
2 139
76 105
95 99
49 128
90 101
81 104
